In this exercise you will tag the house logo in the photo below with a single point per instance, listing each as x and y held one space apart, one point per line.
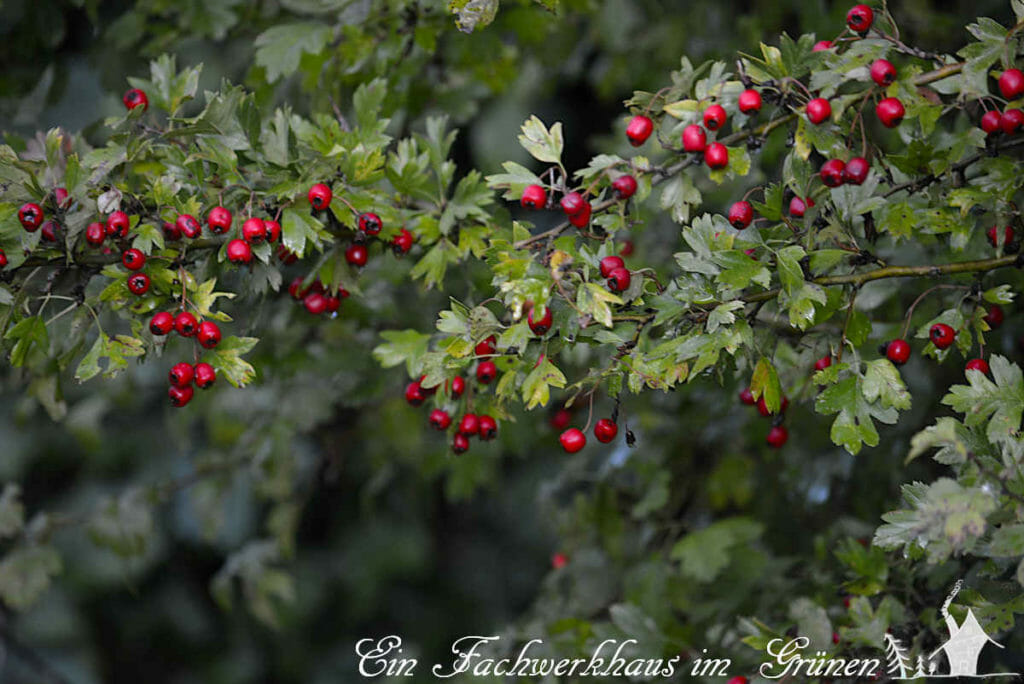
959 654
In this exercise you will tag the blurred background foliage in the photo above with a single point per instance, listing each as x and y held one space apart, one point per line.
393 534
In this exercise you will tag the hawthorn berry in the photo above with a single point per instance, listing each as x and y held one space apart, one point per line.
993 236
118 224
315 303
534 197
714 117
61 198
208 334
133 259
205 375
189 226
273 230
994 316
429 391
488 428
859 18
254 230
356 255
777 436
559 561
832 172
439 419
486 371
458 386
320 196
219 221
741 214
619 279
738 679
162 323
624 186
609 264
823 363
1011 121
469 425
486 346
856 171
560 418
171 232
694 138
581 218
572 203
897 351
181 374
286 255
186 324
716 156
941 335
747 397
605 430
238 252
542 326
818 110
135 98
821 45
890 112
1011 83
573 440
762 407
370 223
180 396
626 249
460 443
138 284
95 233
31 216
639 130
749 101
3 259
883 72
48 231
402 242
798 206
414 393
331 303
978 365
990 121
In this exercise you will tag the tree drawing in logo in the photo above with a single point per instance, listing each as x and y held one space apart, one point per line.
896 655
965 640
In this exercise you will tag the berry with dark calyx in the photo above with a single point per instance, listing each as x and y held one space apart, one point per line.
95 233
624 186
883 72
747 397
181 374
714 117
320 196
162 323
978 365
694 138
991 121
941 335
402 242
254 230
219 220
331 303
856 171
898 351
460 443
138 284
994 316
859 18
135 98
573 440
486 372
458 387
821 45
118 224
890 112
31 216
488 428
762 407
414 393
741 214
539 326
581 218
609 264
356 255
439 419
798 206
1011 121
639 130
208 334
818 110
205 375
605 430
832 172
777 436
534 197
993 236
238 252
469 425
572 203
315 303
370 223
749 101
273 230
716 156
171 232
823 363
1011 83
186 324
133 259
48 231
189 226
180 396
619 279
486 346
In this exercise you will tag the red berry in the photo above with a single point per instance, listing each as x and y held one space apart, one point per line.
859 18
898 351
832 172
821 45
560 418
370 223
239 252
402 242
605 430
618 280
581 218
716 156
627 248
469 425
135 98
171 232
741 214
533 197
205 375
315 303
460 443
994 316
189 226
639 130
320 196
486 346
573 440
219 220
559 561
414 394
458 387
49 231
61 197
1011 83
739 679
539 327
254 230
95 233
180 396
749 101
138 284
941 335
181 374
356 255
609 264
296 290
747 397
714 117
856 171
990 121
133 259
798 207
777 436
273 230
429 391
488 428
624 186
978 365
818 110
486 372
694 138
208 334
162 323
572 203
118 224
993 236
186 324
883 72
31 216
762 407
1011 121
331 303
439 419
823 363
890 112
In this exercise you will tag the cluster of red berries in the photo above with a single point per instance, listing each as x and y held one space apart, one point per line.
778 435
574 439
470 425
183 375
369 224
943 336
315 296
574 204
1011 121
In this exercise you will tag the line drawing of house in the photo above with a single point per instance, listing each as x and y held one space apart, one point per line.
965 642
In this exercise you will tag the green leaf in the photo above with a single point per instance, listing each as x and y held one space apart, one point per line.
227 360
124 525
12 512
402 346
765 383
299 229
882 382
998 404
279 48
25 574
543 144
28 333
470 14
536 386
704 554
593 299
